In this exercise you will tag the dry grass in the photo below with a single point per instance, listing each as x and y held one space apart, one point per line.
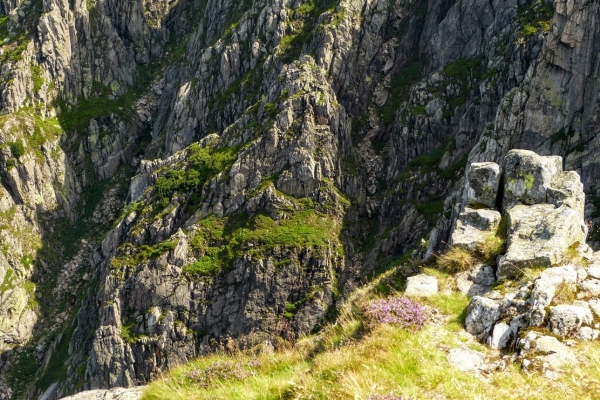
565 293
345 362
456 260
572 256
491 248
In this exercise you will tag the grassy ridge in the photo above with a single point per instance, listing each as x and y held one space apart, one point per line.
347 362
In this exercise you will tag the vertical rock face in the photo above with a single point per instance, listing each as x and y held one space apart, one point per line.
277 151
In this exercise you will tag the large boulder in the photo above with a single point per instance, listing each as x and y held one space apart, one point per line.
473 227
482 184
566 188
527 177
539 236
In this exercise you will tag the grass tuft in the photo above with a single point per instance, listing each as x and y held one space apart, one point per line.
456 260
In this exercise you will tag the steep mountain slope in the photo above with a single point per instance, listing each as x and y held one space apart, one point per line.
177 172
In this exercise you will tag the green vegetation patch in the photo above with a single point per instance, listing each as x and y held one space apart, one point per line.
16 149
37 78
23 31
8 282
203 164
33 132
464 68
141 254
535 18
302 25
218 242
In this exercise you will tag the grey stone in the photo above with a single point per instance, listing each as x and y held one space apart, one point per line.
527 177
545 286
566 188
477 281
539 236
594 271
473 227
555 354
465 359
592 286
421 286
482 314
586 333
565 320
595 306
501 336
482 275
483 180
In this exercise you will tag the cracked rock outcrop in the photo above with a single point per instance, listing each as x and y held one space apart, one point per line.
546 277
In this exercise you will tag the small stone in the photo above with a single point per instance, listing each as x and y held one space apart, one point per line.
592 287
565 320
477 281
473 228
594 271
586 333
482 275
465 360
501 336
554 353
549 280
421 286
595 306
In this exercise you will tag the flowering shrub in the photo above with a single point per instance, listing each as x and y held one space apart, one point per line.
220 371
399 311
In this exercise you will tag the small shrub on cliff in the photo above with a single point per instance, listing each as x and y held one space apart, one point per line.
399 311
17 149
456 260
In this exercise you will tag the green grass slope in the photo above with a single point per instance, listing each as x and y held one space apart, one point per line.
348 361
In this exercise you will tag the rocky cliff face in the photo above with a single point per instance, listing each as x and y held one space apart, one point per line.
174 173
